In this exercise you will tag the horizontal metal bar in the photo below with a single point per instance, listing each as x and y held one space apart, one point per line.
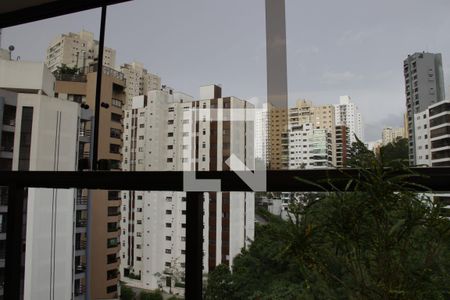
13 15
434 178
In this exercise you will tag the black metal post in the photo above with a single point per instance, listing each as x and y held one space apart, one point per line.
13 260
98 89
194 246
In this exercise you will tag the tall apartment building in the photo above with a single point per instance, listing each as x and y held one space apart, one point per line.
390 135
169 131
139 81
424 86
277 149
309 147
342 146
102 261
261 133
77 50
320 117
347 114
439 124
40 132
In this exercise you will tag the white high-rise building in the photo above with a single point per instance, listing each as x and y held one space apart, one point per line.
139 81
347 114
309 147
261 133
168 131
40 133
77 50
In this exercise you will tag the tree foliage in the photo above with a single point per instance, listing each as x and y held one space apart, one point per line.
126 293
380 241
150 296
64 69
395 151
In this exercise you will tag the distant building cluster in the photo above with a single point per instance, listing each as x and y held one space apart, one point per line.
308 136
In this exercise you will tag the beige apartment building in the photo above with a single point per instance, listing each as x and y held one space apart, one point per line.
390 135
277 149
322 117
103 206
139 81
77 50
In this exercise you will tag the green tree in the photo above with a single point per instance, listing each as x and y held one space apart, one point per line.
396 151
126 293
382 240
64 69
150 296
219 286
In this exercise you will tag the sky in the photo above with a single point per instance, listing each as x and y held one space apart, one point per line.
334 48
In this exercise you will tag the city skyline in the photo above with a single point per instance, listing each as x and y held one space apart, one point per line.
324 62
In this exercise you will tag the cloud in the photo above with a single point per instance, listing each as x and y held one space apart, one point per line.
339 77
256 101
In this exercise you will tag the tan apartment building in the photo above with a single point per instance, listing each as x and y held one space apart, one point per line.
322 117
103 206
139 81
76 50
277 148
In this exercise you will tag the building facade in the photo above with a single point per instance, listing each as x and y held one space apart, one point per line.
309 147
77 50
103 207
169 131
347 114
439 124
424 86
139 81
40 132
391 135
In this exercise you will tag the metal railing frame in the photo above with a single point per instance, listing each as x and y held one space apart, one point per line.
436 179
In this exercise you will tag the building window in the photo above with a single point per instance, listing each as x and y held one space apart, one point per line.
141 125
138 258
167 264
116 133
116 103
111 289
168 212
168 238
114 148
168 251
170 134
116 117
168 225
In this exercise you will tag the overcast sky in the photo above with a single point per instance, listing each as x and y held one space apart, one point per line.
345 47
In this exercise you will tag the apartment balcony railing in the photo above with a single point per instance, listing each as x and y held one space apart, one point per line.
70 77
9 120
80 290
7 148
81 223
85 132
81 200
435 179
80 245
80 268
